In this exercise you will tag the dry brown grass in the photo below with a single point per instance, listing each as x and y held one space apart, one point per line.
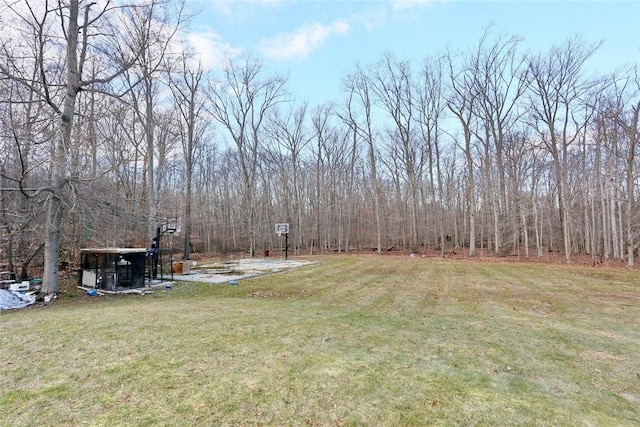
354 340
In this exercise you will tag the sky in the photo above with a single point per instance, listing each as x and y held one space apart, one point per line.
317 42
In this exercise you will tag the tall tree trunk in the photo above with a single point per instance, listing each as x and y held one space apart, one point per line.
150 198
471 194
58 170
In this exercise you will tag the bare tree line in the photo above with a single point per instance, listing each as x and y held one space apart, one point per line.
495 150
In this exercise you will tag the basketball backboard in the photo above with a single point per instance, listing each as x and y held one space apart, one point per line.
282 228
171 225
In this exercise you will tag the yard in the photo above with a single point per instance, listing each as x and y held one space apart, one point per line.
351 340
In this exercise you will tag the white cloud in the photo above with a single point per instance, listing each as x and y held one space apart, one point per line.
210 49
300 43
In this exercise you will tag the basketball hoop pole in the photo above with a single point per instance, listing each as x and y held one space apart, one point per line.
286 246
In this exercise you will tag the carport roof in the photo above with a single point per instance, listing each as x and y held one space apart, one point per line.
115 250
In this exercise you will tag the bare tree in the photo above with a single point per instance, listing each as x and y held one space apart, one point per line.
430 105
357 114
290 139
322 130
393 86
21 175
462 102
240 102
58 50
498 80
60 39
154 31
621 107
557 87
188 92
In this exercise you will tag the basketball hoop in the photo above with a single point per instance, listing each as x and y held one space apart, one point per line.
282 228
171 225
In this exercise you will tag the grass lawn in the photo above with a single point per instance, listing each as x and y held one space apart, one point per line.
353 340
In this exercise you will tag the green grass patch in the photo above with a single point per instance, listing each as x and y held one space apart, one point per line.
354 340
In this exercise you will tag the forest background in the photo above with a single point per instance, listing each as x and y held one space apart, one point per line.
110 124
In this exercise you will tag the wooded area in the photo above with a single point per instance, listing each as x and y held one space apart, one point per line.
109 123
